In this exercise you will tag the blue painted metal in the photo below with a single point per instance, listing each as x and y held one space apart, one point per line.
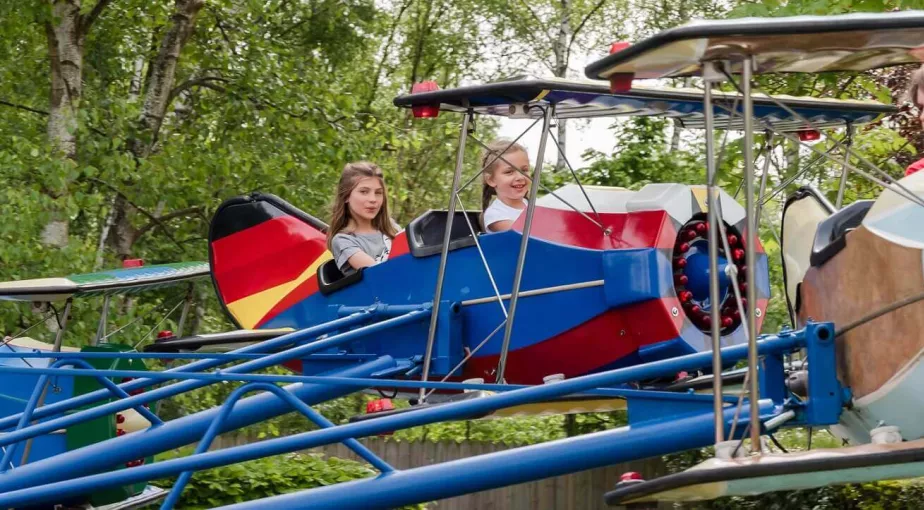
772 377
175 389
62 467
467 280
511 466
173 434
357 382
825 395
296 404
383 310
697 272
225 357
50 409
635 275
40 388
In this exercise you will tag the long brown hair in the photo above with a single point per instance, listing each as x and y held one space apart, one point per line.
915 84
490 160
340 211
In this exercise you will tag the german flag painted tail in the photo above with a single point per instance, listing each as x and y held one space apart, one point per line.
261 248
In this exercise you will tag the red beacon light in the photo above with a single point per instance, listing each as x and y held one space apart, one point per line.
621 82
127 263
809 135
164 334
425 111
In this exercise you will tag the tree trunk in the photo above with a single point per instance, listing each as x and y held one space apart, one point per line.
157 97
65 52
560 48
163 75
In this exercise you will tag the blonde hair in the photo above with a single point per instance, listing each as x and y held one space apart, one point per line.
915 84
490 159
340 211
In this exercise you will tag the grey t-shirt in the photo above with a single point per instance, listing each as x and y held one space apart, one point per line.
346 244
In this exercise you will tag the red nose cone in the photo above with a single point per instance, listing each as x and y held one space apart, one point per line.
132 263
425 111
809 135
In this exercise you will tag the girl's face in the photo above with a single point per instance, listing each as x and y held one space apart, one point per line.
366 199
509 183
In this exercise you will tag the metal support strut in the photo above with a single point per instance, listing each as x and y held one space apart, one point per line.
712 218
750 243
444 252
521 258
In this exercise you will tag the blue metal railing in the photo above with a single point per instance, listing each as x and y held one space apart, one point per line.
175 389
27 413
18 490
296 404
268 345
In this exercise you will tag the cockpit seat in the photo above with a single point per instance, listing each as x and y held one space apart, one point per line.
425 233
331 278
830 238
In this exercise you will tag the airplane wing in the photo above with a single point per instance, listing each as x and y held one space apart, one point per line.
117 281
717 478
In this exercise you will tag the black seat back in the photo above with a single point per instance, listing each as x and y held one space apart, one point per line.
831 235
425 233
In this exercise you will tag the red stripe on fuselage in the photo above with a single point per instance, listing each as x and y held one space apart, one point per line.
264 256
399 245
645 229
596 343
307 288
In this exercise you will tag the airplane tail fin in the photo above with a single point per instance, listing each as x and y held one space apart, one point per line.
261 248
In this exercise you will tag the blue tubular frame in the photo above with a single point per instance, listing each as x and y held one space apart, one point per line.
174 389
358 382
10 450
513 466
275 343
675 428
298 405
101 456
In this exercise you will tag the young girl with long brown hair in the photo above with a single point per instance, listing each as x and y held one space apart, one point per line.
503 177
361 230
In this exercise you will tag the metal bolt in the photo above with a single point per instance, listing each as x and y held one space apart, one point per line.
757 312
675 312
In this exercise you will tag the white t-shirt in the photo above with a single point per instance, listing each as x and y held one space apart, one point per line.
499 211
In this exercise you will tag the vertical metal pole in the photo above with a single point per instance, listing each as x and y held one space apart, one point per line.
103 318
185 313
59 339
713 234
521 258
768 148
438 293
750 255
843 186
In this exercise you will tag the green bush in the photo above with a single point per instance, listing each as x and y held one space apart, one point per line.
265 478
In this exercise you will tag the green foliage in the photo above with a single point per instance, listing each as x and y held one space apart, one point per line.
643 155
265 478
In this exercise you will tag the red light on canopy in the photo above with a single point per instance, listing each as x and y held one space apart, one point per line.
132 263
809 135
165 334
630 476
425 111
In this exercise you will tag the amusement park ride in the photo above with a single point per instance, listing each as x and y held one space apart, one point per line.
595 300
